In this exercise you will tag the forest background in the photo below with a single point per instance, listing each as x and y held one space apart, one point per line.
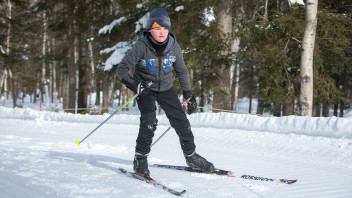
60 52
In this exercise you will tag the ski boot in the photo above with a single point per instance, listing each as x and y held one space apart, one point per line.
140 165
196 161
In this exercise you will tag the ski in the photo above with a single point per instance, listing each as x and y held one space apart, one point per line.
196 170
224 173
286 181
151 181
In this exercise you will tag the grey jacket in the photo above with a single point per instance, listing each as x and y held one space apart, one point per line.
154 70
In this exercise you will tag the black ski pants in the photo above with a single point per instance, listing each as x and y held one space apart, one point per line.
170 103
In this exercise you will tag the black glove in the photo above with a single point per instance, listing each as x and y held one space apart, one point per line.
140 88
191 102
137 87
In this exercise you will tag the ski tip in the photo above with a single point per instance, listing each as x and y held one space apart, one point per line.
230 174
180 193
122 170
288 181
78 143
224 173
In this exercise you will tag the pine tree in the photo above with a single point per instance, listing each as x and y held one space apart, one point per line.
13 46
334 46
268 57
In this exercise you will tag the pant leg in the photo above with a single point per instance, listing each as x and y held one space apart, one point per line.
148 122
170 103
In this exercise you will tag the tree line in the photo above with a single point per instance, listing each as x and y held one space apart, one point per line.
69 49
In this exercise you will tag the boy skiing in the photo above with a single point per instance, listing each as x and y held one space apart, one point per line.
153 58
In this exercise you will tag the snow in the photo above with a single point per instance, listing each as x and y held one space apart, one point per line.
297 1
2 49
119 51
142 22
39 157
108 28
179 8
209 16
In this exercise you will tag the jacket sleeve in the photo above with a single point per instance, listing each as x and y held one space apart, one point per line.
127 63
181 70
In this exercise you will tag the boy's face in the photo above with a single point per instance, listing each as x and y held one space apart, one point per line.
159 34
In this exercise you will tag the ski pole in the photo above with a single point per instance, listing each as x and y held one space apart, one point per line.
185 103
123 106
161 136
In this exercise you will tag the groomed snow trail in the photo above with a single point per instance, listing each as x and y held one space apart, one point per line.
39 158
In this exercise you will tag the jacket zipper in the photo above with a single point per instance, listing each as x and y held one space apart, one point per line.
160 66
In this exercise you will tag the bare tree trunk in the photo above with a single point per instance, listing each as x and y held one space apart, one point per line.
123 95
285 5
50 75
92 66
2 80
77 83
129 95
306 94
202 98
191 76
6 72
316 110
342 105
251 85
222 95
236 67
65 92
266 10
288 108
13 89
260 109
106 85
336 108
5 87
45 88
114 7
83 74
61 88
113 89
120 94
277 109
3 74
70 99
83 56
98 90
289 3
55 93
37 87
250 102
326 108
235 87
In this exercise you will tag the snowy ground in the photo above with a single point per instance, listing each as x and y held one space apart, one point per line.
39 157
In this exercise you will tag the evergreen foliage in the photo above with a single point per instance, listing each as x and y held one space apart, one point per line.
273 47
268 56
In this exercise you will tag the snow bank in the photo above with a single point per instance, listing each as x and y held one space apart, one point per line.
348 115
313 126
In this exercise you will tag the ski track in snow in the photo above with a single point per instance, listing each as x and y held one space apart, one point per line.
39 158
